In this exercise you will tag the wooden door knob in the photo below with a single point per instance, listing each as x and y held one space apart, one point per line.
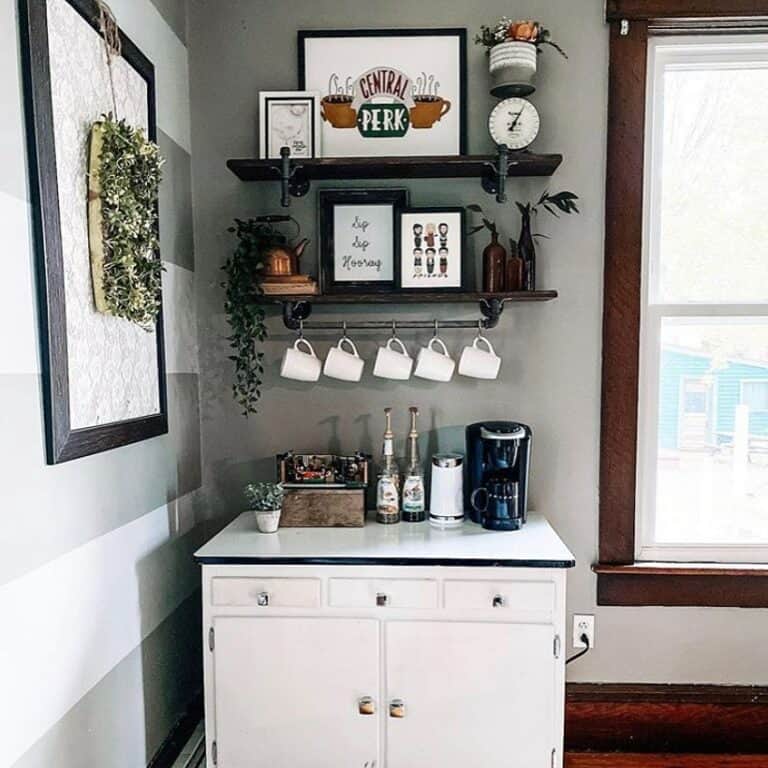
366 706
397 708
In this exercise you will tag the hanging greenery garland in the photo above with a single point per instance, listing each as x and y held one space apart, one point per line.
123 186
124 182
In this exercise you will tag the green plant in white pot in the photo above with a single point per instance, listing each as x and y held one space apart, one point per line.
266 501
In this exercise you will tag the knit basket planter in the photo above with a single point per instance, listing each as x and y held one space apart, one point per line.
513 67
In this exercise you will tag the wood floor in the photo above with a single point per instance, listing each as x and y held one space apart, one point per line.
625 760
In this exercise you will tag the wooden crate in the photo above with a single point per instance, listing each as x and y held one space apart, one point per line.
323 508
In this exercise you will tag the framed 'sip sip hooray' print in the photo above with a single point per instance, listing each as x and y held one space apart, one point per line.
388 92
358 239
431 249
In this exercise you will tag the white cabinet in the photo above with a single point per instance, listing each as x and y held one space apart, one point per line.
387 661
477 694
287 692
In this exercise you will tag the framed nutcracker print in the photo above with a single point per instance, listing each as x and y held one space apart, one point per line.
388 92
431 249
358 239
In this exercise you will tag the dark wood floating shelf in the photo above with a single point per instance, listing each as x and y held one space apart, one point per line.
415 298
520 164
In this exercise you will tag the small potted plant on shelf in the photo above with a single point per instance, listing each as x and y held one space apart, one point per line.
513 48
266 501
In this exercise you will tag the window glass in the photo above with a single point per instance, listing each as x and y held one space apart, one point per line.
712 431
713 209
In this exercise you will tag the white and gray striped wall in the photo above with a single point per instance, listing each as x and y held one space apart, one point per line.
100 638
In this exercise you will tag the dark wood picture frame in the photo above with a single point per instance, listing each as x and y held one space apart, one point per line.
620 580
432 289
328 199
62 442
459 32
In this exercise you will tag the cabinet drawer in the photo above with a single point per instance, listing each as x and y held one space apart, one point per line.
267 593
499 595
384 593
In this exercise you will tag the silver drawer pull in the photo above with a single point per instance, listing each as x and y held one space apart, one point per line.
397 708
366 706
498 601
382 599
262 599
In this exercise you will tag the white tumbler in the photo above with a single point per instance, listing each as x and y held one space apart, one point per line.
446 500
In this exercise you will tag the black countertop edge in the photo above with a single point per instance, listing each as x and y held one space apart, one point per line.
421 561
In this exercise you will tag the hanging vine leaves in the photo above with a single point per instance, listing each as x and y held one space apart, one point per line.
125 173
243 305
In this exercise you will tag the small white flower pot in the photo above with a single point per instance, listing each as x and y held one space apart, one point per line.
267 521
513 67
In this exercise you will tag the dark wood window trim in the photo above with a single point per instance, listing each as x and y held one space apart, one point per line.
634 10
621 581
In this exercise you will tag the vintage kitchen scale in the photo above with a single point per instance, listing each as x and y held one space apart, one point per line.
323 490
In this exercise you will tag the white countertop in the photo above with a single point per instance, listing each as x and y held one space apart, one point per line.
535 546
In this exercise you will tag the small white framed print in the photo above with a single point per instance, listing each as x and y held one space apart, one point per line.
431 252
289 119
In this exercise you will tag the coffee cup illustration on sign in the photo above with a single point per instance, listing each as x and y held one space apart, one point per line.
428 111
338 111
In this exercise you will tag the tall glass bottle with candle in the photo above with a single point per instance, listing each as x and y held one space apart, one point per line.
413 486
388 486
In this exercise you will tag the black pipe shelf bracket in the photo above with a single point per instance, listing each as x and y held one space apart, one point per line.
296 313
494 180
293 183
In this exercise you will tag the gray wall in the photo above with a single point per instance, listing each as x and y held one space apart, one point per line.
100 652
551 374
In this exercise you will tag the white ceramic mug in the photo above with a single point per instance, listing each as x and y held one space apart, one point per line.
480 363
435 366
391 364
300 365
343 365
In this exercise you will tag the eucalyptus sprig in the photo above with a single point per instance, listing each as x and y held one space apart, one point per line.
129 177
565 202
487 223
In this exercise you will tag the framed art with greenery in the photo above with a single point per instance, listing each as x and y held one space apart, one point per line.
90 106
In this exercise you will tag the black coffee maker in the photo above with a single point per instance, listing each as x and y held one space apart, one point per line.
498 458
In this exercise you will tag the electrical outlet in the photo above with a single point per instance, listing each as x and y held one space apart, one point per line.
583 625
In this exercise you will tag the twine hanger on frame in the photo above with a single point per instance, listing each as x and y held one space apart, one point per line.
110 34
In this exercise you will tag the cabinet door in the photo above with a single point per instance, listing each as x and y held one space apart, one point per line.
287 692
474 694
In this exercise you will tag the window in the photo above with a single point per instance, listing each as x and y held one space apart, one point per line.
684 427
703 431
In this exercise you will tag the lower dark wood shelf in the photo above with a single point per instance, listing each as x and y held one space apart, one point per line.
414 298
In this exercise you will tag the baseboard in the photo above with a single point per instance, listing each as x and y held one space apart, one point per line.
645 760
179 735
698 719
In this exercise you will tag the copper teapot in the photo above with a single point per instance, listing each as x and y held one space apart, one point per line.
282 261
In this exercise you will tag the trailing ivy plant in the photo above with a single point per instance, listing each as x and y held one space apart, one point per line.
244 305
129 172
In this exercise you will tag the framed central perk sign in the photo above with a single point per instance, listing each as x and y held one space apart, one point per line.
388 92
